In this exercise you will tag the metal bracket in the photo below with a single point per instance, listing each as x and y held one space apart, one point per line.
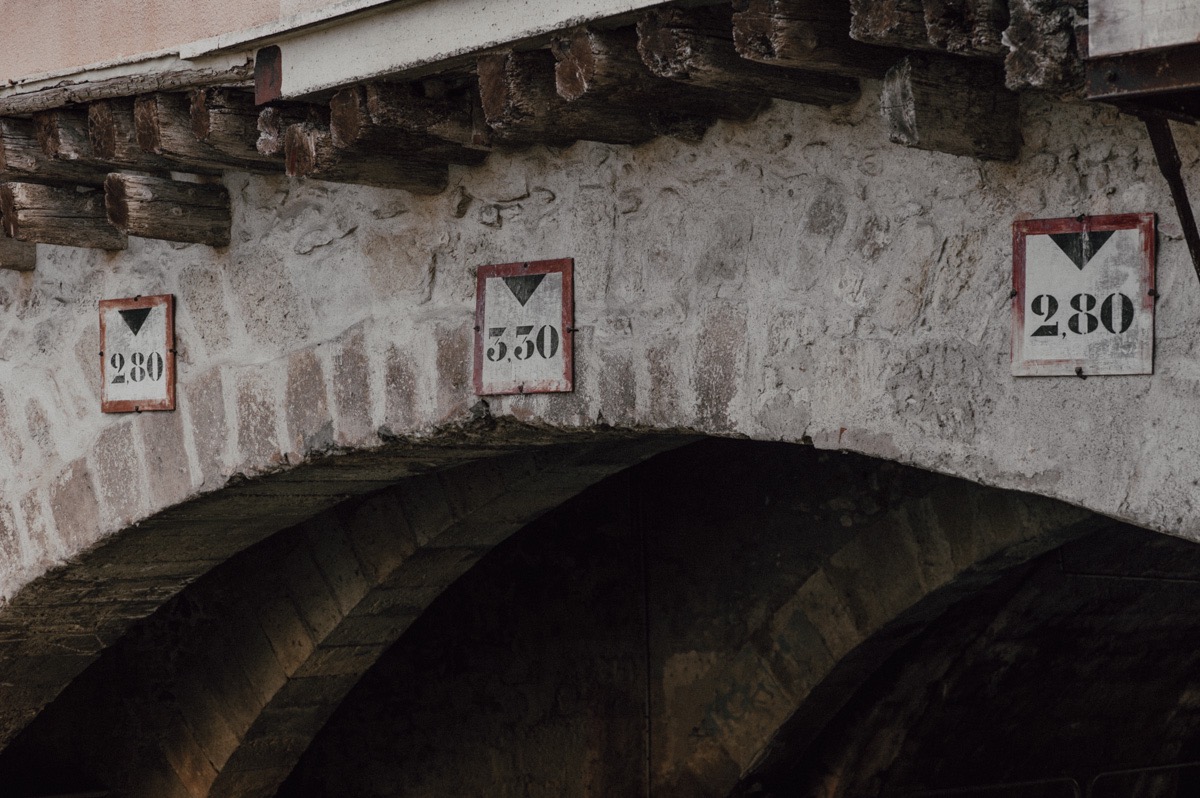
1167 155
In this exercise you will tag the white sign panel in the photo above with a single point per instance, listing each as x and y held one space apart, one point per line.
137 354
523 327
1127 26
1083 296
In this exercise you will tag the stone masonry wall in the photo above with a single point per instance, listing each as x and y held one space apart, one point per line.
791 278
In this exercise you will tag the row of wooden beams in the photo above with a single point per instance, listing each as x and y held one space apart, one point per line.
138 205
962 27
806 34
604 65
522 105
678 70
311 152
696 47
405 131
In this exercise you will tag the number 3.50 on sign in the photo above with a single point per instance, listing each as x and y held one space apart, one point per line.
1083 296
523 323
137 354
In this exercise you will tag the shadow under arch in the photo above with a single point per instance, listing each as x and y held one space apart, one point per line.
1074 677
776 576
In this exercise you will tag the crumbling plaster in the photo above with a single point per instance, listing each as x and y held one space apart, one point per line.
793 278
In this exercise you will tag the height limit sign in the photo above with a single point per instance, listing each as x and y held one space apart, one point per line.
524 317
1083 296
137 354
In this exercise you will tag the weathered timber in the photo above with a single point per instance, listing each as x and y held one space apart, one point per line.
114 136
1043 48
163 122
892 23
218 73
17 256
227 120
151 207
605 65
352 126
453 115
21 158
947 104
310 152
522 105
56 215
695 46
806 34
63 134
272 125
967 27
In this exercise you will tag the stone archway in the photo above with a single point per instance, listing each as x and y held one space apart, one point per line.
777 580
62 624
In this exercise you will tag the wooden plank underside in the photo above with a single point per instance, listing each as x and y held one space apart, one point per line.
1129 26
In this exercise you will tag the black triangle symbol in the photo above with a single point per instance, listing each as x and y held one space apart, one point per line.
523 287
135 318
1081 247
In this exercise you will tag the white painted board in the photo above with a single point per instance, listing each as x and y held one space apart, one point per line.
1131 26
523 327
1083 296
137 354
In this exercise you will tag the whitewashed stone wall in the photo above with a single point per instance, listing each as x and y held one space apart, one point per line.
794 278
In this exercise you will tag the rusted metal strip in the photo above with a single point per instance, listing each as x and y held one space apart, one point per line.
1170 165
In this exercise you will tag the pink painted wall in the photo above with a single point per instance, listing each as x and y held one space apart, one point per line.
53 35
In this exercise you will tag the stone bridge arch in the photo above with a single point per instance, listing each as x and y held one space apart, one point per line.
223 690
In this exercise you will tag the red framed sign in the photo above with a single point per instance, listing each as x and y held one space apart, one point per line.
1083 296
137 354
524 325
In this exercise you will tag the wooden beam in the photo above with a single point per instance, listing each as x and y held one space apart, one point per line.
449 114
695 46
218 71
17 256
806 34
310 152
55 215
353 126
163 122
947 104
170 210
21 158
272 125
893 23
63 134
113 136
227 120
967 27
522 105
1044 51
604 65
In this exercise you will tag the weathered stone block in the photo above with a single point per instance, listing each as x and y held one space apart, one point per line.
310 425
